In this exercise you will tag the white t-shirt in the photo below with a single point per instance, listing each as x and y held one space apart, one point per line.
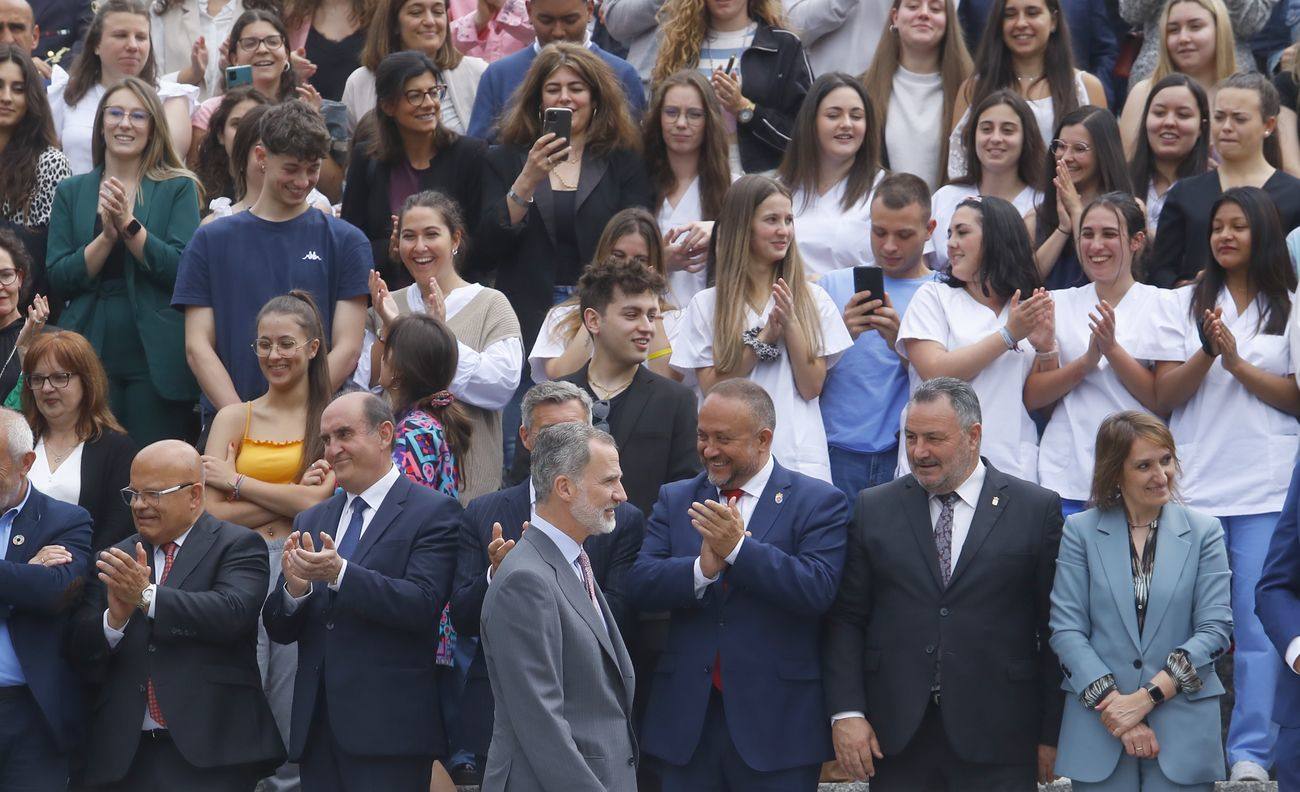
63 484
913 123
682 285
1237 452
1067 451
955 319
828 236
799 442
75 125
549 345
944 204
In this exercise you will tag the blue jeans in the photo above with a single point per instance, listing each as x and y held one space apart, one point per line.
1256 664
852 471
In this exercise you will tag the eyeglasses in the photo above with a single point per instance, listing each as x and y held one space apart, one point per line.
114 115
1059 147
600 412
7 277
287 347
251 43
694 115
59 380
620 256
415 97
151 497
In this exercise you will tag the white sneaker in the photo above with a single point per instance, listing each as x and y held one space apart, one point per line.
1246 770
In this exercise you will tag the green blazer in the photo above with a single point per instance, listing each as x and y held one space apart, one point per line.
169 210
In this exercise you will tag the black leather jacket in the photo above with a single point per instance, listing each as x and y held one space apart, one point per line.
775 76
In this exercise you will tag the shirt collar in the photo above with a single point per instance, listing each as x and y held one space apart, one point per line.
375 493
586 42
969 490
567 547
758 482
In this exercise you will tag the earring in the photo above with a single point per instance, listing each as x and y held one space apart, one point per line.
893 28
263 167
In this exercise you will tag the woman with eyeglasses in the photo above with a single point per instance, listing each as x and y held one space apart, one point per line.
1085 160
116 237
117 45
407 150
188 36
563 346
83 455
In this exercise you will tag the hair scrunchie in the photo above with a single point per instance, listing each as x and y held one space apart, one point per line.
442 398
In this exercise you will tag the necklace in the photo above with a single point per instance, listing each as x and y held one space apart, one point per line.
608 391
1150 525
577 165
1030 80
56 459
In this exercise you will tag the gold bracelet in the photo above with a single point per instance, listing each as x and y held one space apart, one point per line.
660 353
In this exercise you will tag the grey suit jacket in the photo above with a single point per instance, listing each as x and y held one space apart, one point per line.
562 681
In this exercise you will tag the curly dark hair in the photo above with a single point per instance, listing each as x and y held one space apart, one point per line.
213 166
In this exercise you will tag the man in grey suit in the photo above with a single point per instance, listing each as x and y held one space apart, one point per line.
561 675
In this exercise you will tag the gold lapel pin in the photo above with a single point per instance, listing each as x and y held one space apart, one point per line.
995 500
780 496
18 540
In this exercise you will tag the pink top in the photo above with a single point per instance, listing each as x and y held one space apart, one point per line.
509 31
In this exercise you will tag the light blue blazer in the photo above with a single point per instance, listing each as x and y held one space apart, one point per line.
1095 632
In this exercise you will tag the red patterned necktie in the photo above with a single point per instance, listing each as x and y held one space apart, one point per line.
728 495
155 712
588 577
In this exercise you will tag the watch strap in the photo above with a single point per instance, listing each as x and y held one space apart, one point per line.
133 227
1153 690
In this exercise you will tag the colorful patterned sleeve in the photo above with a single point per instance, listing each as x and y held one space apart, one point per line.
420 451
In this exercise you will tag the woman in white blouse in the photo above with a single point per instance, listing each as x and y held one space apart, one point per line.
765 321
920 63
832 166
986 324
1225 374
1101 362
685 152
117 45
431 236
563 345
1005 157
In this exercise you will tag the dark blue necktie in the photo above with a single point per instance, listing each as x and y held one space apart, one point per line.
352 537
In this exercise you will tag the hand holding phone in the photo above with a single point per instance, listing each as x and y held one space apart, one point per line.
558 121
869 279
238 75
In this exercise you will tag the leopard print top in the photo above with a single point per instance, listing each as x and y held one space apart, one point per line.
51 168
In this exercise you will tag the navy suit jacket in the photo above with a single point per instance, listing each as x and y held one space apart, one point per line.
372 643
611 557
1277 601
504 76
763 617
37 602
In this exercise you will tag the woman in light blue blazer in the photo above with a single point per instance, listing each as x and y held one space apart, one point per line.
1140 612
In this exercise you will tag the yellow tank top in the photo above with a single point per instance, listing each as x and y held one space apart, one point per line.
272 461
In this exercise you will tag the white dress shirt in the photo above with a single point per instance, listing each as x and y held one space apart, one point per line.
568 548
963 512
752 491
373 496
114 637
63 483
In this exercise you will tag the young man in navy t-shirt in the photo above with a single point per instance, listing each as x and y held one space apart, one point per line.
233 266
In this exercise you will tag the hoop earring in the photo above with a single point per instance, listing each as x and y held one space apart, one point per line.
455 251
893 28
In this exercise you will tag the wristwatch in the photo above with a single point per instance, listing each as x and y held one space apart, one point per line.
146 597
746 115
132 228
1153 690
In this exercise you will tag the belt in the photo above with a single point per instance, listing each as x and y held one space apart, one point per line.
15 691
156 734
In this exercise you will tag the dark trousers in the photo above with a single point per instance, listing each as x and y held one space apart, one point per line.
159 767
718 767
30 761
1287 759
929 764
326 767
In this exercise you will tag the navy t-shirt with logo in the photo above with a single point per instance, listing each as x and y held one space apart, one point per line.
236 264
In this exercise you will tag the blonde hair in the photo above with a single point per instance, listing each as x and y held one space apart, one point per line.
1225 49
954 68
730 264
684 24
159 160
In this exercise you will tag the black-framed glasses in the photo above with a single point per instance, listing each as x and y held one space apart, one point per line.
287 347
151 497
600 414
58 379
1059 147
251 43
415 97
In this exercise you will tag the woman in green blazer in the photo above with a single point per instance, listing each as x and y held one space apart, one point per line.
116 236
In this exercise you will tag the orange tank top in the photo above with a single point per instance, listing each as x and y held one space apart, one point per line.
272 461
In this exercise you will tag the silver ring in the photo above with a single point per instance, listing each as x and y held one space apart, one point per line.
1141 749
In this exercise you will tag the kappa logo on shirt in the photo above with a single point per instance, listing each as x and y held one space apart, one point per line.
312 256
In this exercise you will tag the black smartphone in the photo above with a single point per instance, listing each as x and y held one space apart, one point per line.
558 120
238 75
731 64
870 279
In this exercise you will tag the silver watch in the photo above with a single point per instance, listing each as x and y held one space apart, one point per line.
146 597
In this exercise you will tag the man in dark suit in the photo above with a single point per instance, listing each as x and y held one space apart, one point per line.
168 630
493 525
364 610
939 633
1277 602
44 550
552 20
746 556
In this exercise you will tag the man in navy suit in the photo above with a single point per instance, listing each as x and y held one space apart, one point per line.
364 609
552 20
495 522
44 550
747 557
1277 603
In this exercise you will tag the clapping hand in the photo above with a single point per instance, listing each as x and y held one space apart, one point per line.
1223 340
304 68
1026 315
434 302
309 564
37 315
720 525
124 579
383 301
1043 335
296 585
114 199
1068 202
782 313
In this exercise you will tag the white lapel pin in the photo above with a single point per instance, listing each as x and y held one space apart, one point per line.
780 496
18 540
995 500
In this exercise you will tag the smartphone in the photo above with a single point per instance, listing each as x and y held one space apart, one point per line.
238 75
870 279
558 120
731 64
